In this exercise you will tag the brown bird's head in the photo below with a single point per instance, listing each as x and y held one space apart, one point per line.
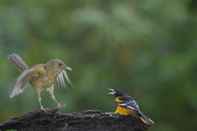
58 69
56 65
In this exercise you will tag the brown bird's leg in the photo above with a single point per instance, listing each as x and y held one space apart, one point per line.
51 92
39 91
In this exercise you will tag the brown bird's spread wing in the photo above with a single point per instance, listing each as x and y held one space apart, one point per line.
20 83
62 76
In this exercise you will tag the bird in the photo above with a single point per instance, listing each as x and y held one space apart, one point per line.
42 77
127 106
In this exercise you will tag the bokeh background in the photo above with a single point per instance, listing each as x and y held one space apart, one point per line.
147 48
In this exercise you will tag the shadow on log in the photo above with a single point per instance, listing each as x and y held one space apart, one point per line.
89 120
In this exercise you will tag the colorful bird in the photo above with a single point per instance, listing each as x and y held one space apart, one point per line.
127 106
41 77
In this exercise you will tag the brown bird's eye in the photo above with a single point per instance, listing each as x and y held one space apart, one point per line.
60 64
45 67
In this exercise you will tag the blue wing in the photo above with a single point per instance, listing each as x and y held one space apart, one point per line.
131 104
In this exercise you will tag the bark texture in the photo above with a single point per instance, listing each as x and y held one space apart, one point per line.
89 120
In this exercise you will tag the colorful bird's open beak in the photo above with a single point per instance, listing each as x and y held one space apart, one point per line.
112 92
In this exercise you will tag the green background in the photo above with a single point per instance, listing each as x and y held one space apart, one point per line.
147 48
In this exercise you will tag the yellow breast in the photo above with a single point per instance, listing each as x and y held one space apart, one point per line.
124 111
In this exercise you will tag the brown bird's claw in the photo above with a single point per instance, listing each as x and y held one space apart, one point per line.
60 105
43 109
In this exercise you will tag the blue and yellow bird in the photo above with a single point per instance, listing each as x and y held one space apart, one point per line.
127 106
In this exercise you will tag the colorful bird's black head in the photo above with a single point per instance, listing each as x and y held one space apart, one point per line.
115 93
120 97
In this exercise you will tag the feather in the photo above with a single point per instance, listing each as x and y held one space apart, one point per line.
18 61
131 104
20 83
60 80
67 78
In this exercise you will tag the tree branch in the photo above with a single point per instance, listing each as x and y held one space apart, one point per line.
89 120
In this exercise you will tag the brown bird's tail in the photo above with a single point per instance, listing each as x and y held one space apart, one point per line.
145 119
18 61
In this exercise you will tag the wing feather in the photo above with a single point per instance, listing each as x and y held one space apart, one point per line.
65 74
20 83
131 104
62 78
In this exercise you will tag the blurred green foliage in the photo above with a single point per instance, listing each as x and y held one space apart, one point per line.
147 48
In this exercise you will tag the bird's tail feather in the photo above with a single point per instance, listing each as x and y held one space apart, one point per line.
18 61
145 119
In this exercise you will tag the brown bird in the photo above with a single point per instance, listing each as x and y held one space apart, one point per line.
41 77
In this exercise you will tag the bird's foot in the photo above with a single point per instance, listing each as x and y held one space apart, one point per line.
60 105
43 109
